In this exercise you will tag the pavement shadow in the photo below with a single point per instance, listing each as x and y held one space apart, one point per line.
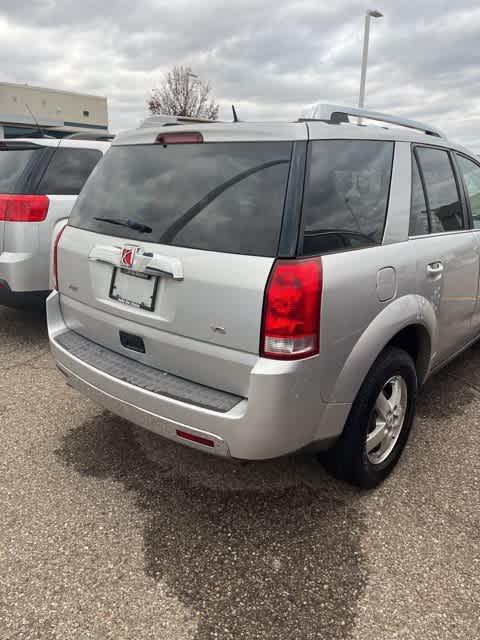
261 550
28 324
267 550
23 338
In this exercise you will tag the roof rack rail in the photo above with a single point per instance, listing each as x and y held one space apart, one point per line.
336 114
90 136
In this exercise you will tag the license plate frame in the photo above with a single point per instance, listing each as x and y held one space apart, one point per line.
138 303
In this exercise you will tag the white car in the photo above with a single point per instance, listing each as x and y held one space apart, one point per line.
40 180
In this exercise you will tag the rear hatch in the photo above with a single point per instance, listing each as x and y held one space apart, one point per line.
169 249
17 162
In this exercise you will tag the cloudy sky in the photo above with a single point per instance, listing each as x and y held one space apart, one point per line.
269 57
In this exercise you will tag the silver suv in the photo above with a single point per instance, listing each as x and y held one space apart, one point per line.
39 183
251 290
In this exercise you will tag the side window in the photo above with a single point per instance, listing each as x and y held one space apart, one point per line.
419 214
471 175
346 193
68 171
442 193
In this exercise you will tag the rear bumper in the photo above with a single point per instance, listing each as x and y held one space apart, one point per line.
276 419
24 272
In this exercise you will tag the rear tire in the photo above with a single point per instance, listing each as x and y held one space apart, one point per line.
379 422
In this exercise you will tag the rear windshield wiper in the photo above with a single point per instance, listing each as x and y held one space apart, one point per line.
131 224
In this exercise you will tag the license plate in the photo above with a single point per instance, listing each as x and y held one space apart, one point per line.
135 289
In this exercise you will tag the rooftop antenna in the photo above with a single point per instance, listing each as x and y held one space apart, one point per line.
42 133
235 117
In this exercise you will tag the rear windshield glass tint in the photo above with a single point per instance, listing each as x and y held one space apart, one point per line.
68 170
224 197
345 202
12 166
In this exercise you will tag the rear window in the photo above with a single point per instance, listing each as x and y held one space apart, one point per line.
12 167
68 170
346 194
225 197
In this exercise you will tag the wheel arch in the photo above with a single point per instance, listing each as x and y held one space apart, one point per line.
403 324
416 341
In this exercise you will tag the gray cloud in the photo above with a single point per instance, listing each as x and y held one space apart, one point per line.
269 58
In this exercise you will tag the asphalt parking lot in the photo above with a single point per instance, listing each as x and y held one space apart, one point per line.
107 531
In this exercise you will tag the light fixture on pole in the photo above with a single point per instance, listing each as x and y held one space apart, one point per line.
368 16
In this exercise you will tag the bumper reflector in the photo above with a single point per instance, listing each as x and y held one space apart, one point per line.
193 438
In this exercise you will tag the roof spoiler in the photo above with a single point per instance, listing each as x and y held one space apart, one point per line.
165 120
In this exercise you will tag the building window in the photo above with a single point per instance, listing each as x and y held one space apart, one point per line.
14 98
20 132
86 113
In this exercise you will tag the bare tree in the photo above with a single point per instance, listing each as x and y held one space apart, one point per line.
181 94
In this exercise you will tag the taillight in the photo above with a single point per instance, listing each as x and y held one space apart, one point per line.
21 208
55 257
291 310
186 137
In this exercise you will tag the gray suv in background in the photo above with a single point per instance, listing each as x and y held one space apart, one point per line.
251 290
40 180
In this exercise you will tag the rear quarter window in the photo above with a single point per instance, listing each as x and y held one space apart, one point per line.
226 197
68 170
346 194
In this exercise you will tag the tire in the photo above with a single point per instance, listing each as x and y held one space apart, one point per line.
349 458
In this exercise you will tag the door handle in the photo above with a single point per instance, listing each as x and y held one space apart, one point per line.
165 266
435 269
106 254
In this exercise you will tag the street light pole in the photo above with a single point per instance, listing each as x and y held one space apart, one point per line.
189 75
363 78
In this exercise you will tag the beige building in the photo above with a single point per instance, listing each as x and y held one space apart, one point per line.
58 113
